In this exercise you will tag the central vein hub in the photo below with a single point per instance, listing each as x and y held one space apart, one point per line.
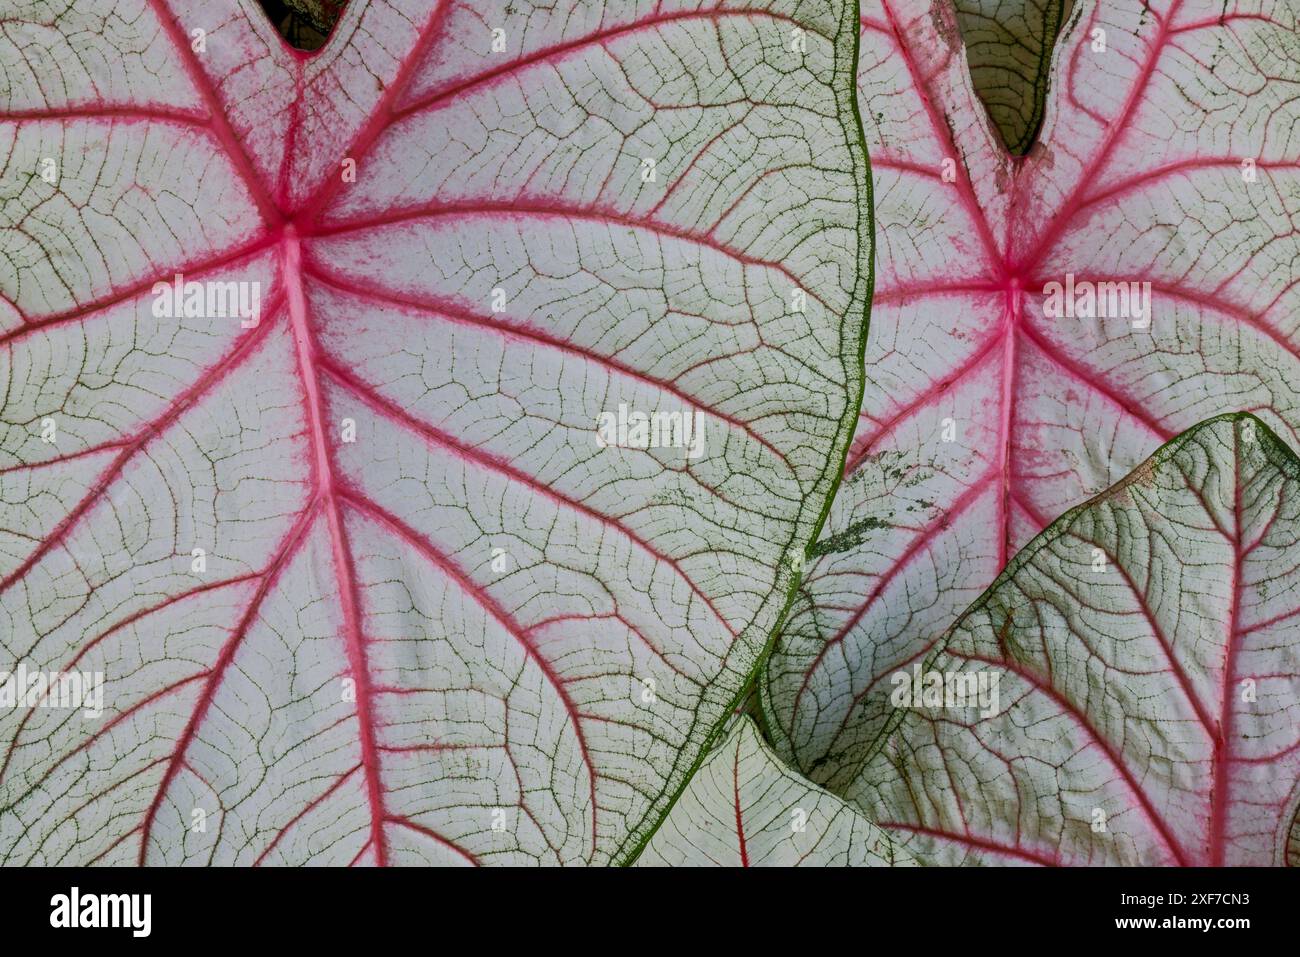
1013 292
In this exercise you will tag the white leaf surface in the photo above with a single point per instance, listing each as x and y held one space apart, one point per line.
436 620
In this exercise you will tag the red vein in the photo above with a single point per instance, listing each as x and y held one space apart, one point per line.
904 294
311 805
367 393
63 459
458 314
523 208
1136 182
219 123
1011 323
490 605
982 843
1114 133
1222 20
1069 709
740 823
94 111
1220 774
288 547
434 835
232 360
559 50
381 116
136 290
342 559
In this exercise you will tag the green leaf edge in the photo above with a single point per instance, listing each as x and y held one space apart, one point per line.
856 141
1055 13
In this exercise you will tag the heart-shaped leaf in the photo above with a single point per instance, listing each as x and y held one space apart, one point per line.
1168 156
1128 691
744 808
321 393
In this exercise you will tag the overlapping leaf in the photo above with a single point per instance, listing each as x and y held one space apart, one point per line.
1169 154
1144 660
744 808
362 583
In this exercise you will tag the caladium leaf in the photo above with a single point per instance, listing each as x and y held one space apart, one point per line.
1131 681
1009 45
1168 156
744 808
386 570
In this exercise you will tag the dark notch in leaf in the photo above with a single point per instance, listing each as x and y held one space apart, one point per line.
304 24
1009 46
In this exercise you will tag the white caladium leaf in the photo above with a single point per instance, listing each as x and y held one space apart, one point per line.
1009 46
320 414
744 808
1167 168
1128 691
